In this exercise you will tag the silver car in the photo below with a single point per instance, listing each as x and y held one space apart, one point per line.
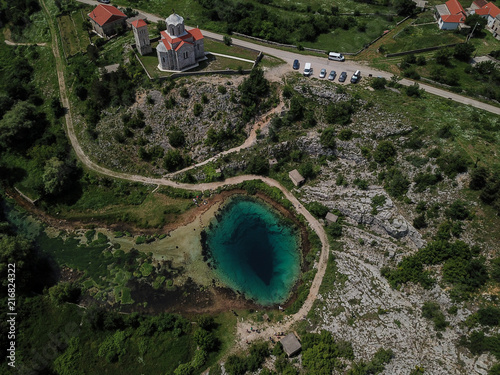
322 74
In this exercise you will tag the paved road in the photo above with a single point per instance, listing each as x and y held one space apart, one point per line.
319 63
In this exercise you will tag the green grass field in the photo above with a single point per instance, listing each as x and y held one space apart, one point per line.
218 47
351 40
416 37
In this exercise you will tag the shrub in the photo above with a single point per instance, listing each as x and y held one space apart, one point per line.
396 183
334 229
478 178
221 89
345 135
458 211
340 112
227 40
419 222
184 93
489 316
378 83
327 138
414 90
176 137
432 311
385 152
197 109
452 164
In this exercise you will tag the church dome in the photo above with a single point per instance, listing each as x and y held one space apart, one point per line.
174 19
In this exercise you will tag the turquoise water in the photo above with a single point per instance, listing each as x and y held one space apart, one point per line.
254 251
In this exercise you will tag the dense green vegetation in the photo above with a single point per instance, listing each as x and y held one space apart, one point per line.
462 267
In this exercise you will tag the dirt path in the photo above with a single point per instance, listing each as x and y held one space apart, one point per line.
8 42
249 142
313 222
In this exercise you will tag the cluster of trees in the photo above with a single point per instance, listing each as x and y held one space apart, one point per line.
30 130
461 267
488 183
253 89
238 365
321 353
260 21
18 15
340 112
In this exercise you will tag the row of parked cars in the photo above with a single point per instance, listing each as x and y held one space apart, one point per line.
308 70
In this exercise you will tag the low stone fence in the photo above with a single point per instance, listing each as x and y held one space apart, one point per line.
422 50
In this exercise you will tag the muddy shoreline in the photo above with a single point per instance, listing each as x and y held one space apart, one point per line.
189 298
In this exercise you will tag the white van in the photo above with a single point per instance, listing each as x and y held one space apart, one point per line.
336 56
308 69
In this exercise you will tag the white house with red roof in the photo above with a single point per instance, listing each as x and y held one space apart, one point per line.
450 15
141 36
106 20
179 49
489 11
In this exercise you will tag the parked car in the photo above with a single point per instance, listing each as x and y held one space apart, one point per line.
342 77
332 75
336 56
322 73
103 1
356 77
308 69
296 64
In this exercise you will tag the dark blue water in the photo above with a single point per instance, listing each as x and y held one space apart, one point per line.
254 250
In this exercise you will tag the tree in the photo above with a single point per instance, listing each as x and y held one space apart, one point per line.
476 21
227 40
64 292
404 7
55 176
327 138
18 251
176 137
19 127
442 57
478 178
414 90
378 83
464 51
258 165
254 87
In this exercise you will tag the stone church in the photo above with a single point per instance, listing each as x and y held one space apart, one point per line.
179 49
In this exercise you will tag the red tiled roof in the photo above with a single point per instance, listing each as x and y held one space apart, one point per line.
166 44
139 23
494 10
165 35
196 33
482 11
181 44
453 18
454 7
480 3
104 14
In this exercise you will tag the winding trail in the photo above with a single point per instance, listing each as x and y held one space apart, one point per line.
313 222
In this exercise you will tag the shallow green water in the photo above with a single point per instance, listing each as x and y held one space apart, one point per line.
254 250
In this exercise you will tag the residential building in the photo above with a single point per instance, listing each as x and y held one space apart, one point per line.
450 15
107 20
